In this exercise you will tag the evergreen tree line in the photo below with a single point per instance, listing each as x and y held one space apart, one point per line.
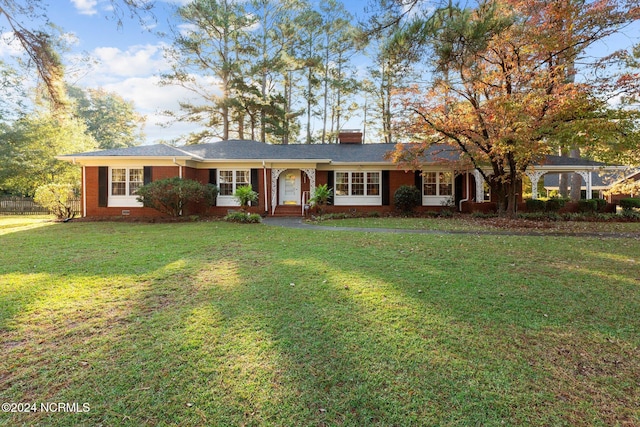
266 70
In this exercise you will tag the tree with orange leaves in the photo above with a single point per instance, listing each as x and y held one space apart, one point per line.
503 90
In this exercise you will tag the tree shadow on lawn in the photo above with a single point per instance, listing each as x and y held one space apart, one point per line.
243 350
62 300
561 325
220 336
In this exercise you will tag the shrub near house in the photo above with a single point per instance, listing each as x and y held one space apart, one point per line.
321 197
630 203
407 198
174 196
58 198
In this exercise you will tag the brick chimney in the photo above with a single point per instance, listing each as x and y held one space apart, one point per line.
350 136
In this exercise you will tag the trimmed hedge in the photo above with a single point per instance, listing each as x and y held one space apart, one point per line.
243 217
555 204
630 203
587 206
535 205
539 205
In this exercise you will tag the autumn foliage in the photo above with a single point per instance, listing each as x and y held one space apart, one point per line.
510 85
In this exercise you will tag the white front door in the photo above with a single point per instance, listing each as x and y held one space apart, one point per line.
290 187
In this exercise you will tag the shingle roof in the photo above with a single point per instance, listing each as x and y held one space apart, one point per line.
157 150
348 153
254 150
568 161
336 153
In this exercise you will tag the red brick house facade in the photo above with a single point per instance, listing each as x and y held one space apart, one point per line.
284 176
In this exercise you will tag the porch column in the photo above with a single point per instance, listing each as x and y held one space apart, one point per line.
534 177
586 175
479 188
275 174
311 173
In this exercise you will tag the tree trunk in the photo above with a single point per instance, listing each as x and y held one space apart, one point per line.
287 107
512 200
505 189
241 118
563 186
309 88
498 192
325 95
338 108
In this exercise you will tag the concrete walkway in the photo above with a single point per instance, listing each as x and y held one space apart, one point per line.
298 222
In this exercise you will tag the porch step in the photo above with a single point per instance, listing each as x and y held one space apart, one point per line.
288 210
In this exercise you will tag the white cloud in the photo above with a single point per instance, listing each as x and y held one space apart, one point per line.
151 99
178 2
86 7
9 45
147 95
139 60
70 39
133 73
185 29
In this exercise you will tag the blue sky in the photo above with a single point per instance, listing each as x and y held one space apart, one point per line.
128 59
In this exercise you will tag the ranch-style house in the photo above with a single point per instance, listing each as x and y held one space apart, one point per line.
285 176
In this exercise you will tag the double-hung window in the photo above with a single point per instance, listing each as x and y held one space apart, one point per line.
437 188
124 184
228 182
437 184
342 183
357 188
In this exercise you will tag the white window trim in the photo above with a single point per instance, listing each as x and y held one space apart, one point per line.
230 200
358 200
128 200
438 200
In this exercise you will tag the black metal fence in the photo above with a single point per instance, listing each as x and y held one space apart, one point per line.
26 206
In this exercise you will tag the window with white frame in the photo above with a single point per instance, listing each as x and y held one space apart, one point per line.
357 184
437 183
342 183
230 180
126 181
373 183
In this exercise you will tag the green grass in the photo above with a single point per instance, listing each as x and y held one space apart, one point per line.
14 223
466 223
221 324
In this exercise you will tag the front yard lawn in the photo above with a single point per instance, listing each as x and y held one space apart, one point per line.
467 223
220 324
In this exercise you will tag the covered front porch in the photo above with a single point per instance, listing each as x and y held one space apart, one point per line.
291 189
588 173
